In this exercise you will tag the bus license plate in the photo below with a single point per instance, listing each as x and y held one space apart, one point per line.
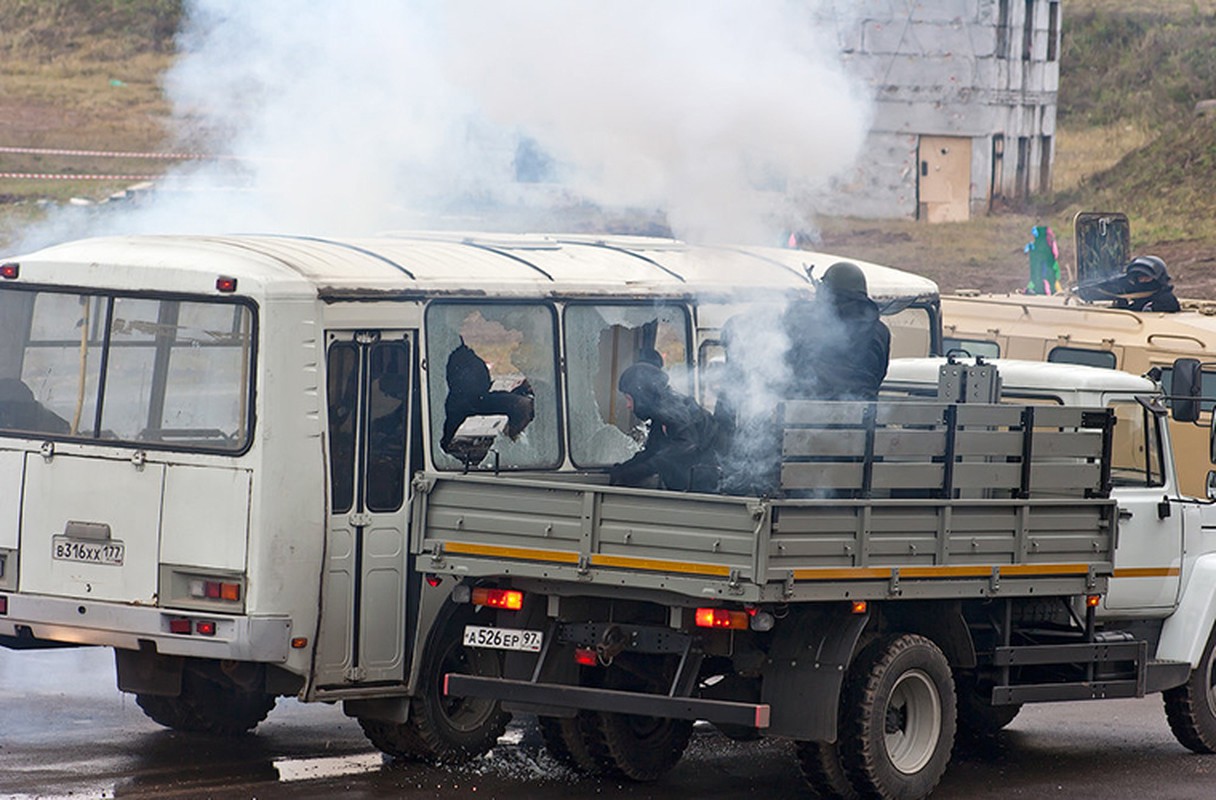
503 638
108 552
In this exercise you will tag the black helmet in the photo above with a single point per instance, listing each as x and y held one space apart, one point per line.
1147 267
845 276
645 384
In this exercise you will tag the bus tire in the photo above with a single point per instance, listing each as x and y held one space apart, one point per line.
442 729
206 706
565 741
1191 707
823 771
899 718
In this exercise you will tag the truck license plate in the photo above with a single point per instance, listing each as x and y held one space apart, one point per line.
503 638
108 552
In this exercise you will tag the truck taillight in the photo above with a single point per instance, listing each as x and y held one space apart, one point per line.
10 271
721 618
3 605
510 599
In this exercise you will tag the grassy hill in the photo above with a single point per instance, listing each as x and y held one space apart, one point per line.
84 74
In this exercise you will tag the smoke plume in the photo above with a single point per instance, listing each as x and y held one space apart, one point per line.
348 118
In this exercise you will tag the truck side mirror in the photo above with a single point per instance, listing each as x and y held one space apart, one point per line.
1186 389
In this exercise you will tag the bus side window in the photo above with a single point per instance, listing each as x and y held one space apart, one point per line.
601 342
494 360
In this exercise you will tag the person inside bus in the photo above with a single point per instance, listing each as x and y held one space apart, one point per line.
19 410
839 346
682 447
469 394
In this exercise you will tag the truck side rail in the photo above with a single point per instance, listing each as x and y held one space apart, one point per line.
944 450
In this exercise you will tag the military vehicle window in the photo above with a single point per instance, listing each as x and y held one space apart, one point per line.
1136 446
974 347
492 385
1080 355
601 342
911 332
1209 387
343 391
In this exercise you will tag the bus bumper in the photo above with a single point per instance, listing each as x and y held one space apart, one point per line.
30 622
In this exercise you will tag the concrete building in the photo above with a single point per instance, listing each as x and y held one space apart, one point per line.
965 105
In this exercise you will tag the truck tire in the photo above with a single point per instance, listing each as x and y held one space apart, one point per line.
565 741
977 716
441 729
823 771
1191 707
207 706
639 748
899 718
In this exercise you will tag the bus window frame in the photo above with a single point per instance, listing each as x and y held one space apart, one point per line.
109 295
691 364
431 445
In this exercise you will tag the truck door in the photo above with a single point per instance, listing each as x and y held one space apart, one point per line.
362 631
1149 553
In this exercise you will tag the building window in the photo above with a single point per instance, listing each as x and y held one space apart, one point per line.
1045 165
1022 190
1053 31
1028 32
1002 29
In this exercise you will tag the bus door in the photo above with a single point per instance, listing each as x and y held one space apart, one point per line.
362 634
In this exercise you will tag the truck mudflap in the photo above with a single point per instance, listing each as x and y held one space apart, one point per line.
551 696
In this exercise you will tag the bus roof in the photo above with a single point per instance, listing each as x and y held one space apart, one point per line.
449 264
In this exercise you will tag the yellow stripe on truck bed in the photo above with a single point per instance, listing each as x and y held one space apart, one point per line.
521 553
961 571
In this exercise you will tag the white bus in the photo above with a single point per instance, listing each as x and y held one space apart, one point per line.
209 443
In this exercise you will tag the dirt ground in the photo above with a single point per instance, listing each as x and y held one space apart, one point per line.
933 251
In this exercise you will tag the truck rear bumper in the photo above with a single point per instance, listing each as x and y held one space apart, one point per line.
31 620
754 715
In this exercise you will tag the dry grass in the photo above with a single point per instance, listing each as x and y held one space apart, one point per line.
1081 152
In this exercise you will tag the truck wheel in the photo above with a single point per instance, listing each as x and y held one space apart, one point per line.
1191 707
206 706
444 729
565 741
976 714
638 748
899 718
824 772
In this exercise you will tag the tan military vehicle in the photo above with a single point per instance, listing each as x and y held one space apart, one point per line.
1067 329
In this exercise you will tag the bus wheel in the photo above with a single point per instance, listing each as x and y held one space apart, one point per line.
977 716
208 706
1191 707
823 771
441 728
900 718
565 741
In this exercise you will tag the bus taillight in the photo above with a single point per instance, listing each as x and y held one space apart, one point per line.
215 590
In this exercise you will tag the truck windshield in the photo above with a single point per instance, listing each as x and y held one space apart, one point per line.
601 342
167 373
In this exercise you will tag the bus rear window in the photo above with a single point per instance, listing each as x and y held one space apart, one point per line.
164 373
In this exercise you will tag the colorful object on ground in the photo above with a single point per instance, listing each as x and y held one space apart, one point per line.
1044 261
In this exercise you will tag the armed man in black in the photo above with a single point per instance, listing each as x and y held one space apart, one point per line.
682 446
839 346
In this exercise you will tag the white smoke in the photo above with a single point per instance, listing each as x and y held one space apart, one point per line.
349 118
